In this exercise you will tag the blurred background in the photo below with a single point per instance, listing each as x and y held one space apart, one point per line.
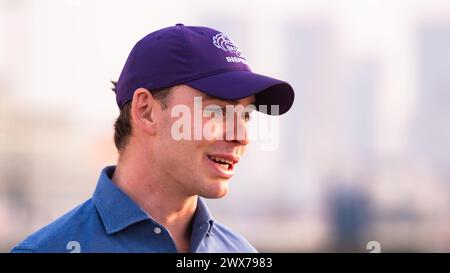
364 154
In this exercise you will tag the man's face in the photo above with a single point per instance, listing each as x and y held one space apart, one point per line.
200 166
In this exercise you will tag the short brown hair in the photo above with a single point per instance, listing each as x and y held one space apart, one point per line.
122 125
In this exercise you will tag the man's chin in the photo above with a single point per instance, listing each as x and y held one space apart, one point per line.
219 190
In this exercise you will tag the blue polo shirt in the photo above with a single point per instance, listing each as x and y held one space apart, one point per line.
111 222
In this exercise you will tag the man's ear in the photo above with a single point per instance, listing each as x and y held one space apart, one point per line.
142 110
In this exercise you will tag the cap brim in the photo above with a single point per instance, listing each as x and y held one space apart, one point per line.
236 85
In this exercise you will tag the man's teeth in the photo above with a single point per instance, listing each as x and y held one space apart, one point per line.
223 166
221 160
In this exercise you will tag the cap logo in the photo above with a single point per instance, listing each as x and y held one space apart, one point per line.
225 43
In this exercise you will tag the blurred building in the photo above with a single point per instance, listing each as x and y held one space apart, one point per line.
430 133
44 169
337 180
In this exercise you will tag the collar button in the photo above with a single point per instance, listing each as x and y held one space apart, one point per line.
157 230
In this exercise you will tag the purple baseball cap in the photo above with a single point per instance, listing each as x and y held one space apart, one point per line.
200 57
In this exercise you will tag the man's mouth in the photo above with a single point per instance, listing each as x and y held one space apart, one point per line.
224 162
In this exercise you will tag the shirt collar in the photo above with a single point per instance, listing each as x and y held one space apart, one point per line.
201 225
118 211
202 217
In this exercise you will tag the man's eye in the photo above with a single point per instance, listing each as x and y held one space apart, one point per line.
246 116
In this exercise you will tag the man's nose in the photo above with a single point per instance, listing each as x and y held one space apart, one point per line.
237 130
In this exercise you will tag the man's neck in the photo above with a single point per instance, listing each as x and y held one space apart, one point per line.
158 199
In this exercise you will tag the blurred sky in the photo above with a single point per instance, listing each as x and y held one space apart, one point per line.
368 128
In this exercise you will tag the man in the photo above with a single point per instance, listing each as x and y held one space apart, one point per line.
150 201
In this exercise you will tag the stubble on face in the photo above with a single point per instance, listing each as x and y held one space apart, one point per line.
184 163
